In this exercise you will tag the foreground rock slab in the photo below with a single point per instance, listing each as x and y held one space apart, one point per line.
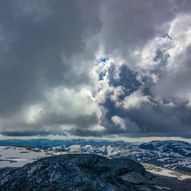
73 172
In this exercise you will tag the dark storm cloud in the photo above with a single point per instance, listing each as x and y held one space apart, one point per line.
50 82
130 24
38 40
36 46
152 118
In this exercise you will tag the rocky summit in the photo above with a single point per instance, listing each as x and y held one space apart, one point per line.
77 172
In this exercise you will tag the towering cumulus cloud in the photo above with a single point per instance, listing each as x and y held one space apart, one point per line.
99 68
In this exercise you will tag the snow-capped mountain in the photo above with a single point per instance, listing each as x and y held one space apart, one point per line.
174 155
169 161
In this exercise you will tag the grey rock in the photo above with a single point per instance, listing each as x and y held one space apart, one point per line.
134 177
66 173
76 172
126 165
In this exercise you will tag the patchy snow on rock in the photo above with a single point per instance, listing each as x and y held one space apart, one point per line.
165 172
19 156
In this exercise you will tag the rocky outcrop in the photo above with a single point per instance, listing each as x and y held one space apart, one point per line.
76 172
133 172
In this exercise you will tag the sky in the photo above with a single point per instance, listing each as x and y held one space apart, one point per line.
95 68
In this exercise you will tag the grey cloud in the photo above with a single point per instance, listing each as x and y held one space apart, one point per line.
40 40
36 56
128 25
49 44
176 84
155 117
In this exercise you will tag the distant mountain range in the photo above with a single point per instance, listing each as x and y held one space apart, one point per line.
84 168
173 155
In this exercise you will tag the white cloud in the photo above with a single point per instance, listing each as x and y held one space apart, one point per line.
175 80
135 100
69 102
118 121
97 128
34 113
125 124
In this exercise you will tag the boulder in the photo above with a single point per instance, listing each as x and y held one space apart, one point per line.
76 172
70 172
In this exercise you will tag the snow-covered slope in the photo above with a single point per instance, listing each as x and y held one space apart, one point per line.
174 155
19 156
170 161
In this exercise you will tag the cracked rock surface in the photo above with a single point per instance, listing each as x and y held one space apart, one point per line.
77 172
